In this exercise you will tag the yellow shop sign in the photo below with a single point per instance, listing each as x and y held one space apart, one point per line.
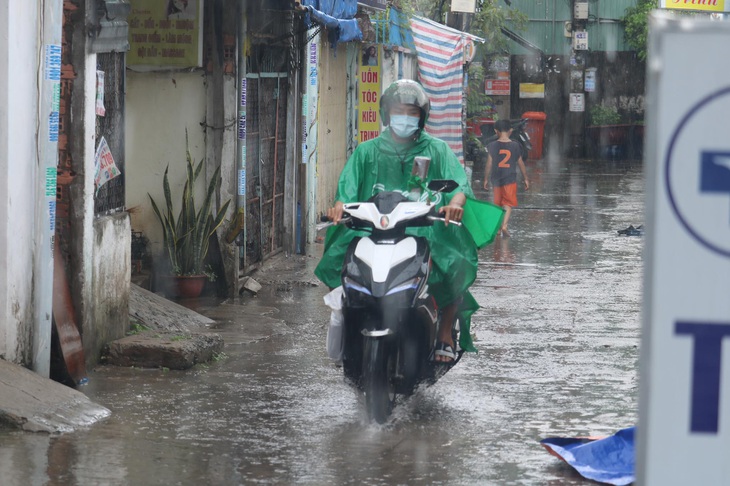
700 5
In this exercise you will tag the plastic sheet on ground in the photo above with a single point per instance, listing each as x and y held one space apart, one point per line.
608 460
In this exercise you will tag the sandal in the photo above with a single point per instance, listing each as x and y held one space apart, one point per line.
446 350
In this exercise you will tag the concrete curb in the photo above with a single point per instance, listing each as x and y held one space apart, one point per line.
36 404
152 349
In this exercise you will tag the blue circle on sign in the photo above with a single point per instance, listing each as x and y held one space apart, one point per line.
684 220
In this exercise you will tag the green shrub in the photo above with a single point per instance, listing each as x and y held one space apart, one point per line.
602 115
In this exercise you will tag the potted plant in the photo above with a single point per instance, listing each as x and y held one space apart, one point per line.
609 133
186 237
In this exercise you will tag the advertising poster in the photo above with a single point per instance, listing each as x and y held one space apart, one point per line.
698 5
468 6
100 109
532 90
498 67
590 80
368 126
577 102
166 33
105 167
497 87
580 40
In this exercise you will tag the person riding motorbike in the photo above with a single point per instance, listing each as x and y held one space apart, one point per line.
385 163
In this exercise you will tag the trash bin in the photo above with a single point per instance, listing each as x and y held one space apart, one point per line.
536 130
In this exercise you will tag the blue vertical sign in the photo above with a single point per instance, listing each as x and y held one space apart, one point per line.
53 74
242 137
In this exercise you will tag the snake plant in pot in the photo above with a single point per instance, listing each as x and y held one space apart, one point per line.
186 237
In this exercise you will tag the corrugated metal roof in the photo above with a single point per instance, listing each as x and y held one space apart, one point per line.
546 25
113 29
610 9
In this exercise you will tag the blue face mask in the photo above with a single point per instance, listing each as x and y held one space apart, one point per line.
404 126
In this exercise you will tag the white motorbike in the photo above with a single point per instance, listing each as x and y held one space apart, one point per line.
390 319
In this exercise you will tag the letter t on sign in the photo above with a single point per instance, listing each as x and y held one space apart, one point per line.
706 366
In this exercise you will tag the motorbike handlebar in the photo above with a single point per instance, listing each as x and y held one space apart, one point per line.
443 220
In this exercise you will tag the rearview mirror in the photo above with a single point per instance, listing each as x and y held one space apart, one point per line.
442 185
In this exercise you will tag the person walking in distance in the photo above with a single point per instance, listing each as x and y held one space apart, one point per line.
508 156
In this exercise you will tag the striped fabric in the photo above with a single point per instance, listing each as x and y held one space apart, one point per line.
440 51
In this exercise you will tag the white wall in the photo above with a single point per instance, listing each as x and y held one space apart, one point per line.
19 54
159 107
395 63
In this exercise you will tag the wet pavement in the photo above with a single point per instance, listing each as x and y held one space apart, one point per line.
558 337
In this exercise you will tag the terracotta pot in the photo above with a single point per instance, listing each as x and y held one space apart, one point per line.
186 287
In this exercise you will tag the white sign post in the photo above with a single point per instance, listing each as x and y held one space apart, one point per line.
468 6
684 416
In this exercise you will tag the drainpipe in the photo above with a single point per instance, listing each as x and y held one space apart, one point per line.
49 82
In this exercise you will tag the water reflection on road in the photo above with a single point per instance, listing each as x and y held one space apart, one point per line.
558 334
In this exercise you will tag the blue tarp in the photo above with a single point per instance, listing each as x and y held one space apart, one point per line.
339 9
337 16
609 460
400 33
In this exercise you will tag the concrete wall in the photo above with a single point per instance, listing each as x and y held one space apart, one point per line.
111 274
620 84
332 123
160 106
19 52
398 65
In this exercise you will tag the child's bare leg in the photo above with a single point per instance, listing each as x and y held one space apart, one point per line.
507 213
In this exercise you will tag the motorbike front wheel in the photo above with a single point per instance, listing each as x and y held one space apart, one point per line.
378 379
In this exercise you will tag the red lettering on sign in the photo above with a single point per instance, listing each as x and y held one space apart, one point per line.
369 77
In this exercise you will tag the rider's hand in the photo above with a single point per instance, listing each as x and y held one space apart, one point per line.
335 214
486 184
527 185
452 212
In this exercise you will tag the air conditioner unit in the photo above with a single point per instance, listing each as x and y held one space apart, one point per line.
581 11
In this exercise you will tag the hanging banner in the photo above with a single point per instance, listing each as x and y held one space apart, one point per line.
166 33
698 5
368 126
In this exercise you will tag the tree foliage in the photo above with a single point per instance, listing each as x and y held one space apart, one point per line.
636 25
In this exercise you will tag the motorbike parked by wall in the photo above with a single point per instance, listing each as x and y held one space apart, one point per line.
389 319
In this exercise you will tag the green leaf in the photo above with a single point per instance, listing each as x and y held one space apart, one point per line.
187 238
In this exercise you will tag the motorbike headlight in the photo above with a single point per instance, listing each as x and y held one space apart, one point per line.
350 284
408 285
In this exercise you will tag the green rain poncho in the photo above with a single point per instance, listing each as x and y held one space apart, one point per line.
383 165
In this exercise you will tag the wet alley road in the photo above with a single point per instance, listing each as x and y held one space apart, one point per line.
558 335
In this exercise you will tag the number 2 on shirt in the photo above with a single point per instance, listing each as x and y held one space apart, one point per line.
504 163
